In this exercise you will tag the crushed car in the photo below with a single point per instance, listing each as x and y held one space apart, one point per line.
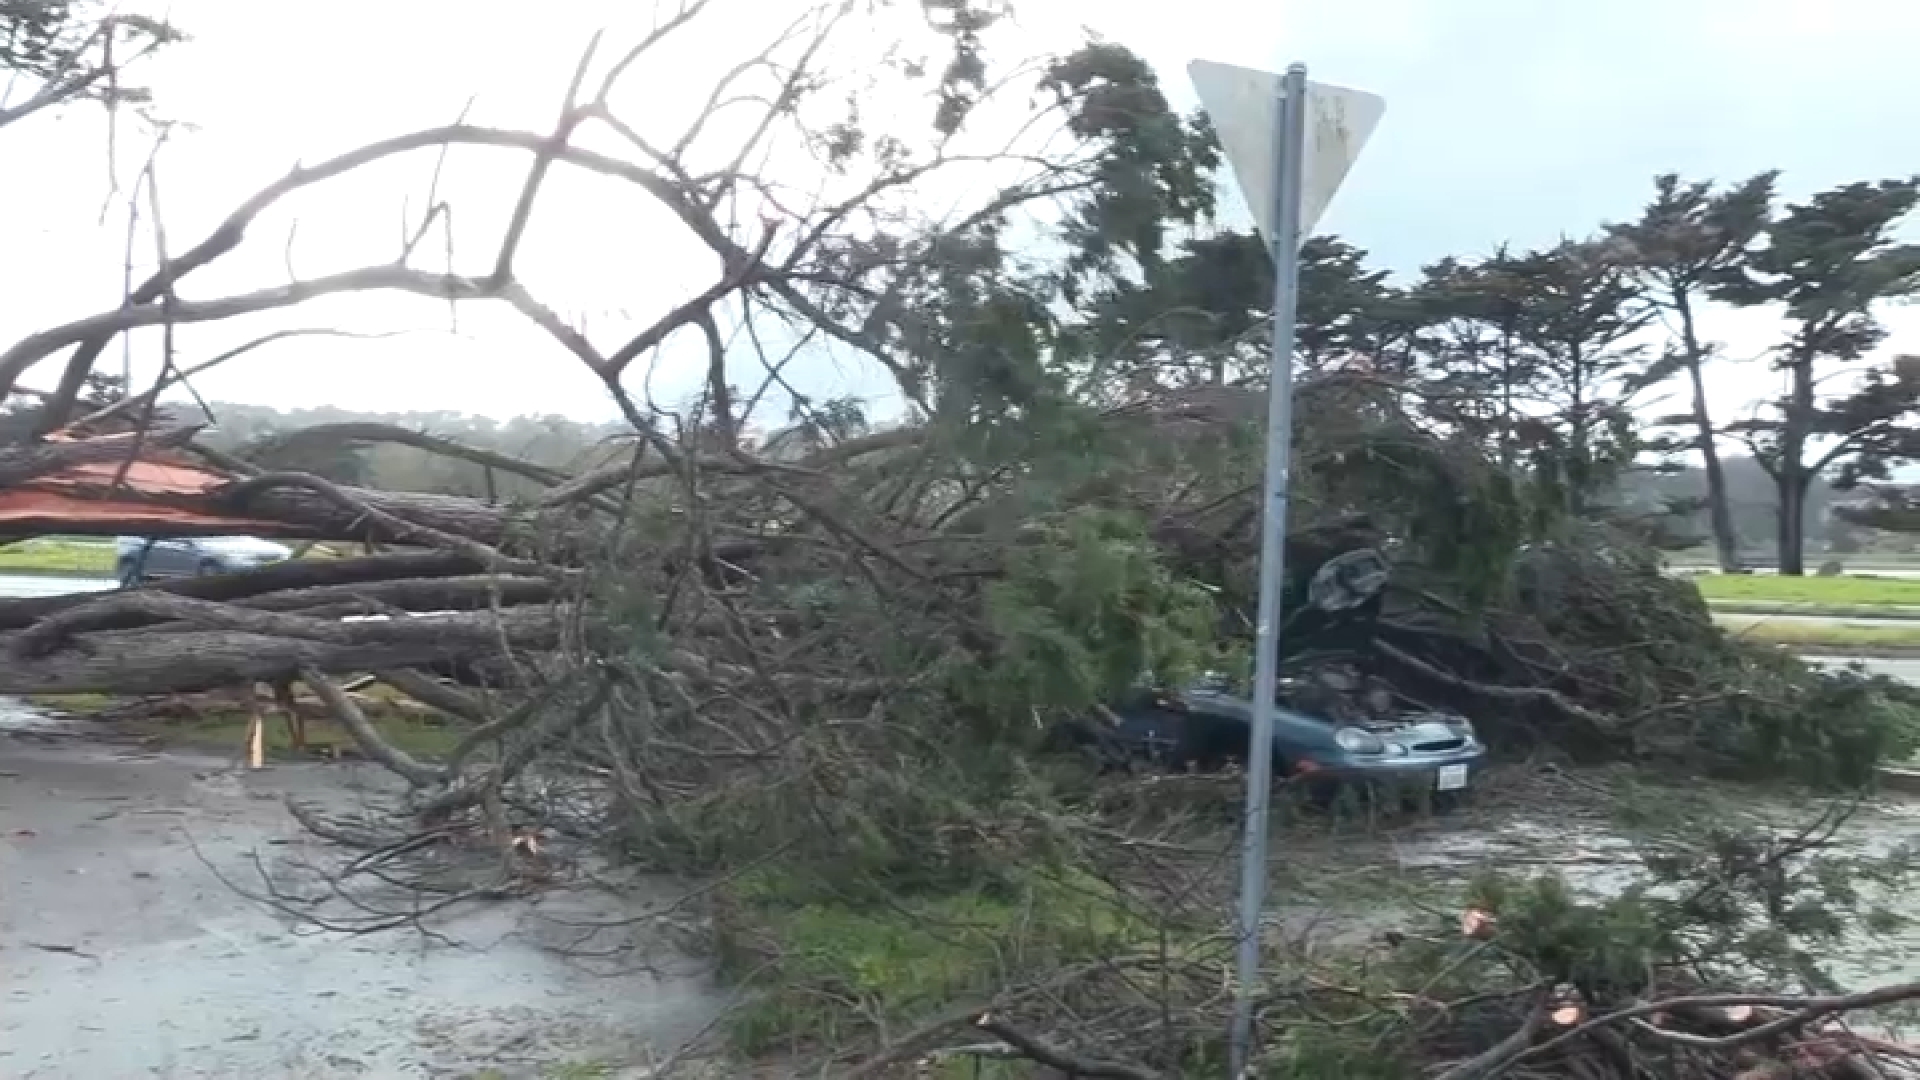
1334 726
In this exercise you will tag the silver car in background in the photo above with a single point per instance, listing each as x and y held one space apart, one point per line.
139 558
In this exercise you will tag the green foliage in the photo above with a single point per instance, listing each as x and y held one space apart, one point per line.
841 969
1085 609
1829 264
38 37
1741 903
1643 647
1605 948
1461 522
48 555
1832 730
1731 905
965 77
1690 238
77 47
1154 168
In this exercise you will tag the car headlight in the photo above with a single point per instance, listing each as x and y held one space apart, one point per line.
1359 741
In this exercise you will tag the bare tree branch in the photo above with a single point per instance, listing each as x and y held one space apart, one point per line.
371 431
365 734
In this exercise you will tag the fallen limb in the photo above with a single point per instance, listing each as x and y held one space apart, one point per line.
1502 1055
431 691
368 432
1530 695
142 662
242 494
132 609
369 739
470 630
1053 1057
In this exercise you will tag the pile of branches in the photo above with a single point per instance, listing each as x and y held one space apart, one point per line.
733 602
836 649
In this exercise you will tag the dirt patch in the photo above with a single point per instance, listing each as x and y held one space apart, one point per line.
122 954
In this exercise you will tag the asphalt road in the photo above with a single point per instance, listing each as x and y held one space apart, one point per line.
1905 668
1738 618
131 950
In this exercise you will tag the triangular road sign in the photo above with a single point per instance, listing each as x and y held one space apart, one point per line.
1244 105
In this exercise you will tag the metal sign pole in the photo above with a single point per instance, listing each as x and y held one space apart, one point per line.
1284 243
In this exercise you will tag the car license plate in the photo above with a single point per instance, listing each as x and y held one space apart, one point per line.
1452 778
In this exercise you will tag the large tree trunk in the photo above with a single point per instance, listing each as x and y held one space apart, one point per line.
1791 472
1792 524
295 574
226 645
1726 541
147 662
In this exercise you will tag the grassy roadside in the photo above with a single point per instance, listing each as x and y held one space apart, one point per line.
218 723
58 557
1855 591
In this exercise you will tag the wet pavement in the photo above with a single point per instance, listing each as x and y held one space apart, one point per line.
19 586
123 955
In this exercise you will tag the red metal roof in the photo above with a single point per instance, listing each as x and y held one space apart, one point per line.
84 498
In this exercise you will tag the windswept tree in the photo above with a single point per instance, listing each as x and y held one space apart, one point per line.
1473 318
1204 316
1829 265
1531 354
1580 311
1689 240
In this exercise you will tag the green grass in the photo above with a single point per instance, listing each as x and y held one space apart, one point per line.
1821 591
58 556
907 959
223 726
1830 636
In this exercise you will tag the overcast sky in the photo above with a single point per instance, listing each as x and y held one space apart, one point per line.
1507 120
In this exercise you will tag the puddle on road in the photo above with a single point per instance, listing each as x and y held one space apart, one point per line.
19 716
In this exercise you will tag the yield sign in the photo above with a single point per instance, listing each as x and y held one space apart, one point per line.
1244 105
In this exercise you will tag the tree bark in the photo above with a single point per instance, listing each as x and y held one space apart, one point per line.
1726 541
222 645
1790 476
456 594
1792 524
146 662
301 513
294 574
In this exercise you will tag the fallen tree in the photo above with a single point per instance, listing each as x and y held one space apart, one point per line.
835 649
